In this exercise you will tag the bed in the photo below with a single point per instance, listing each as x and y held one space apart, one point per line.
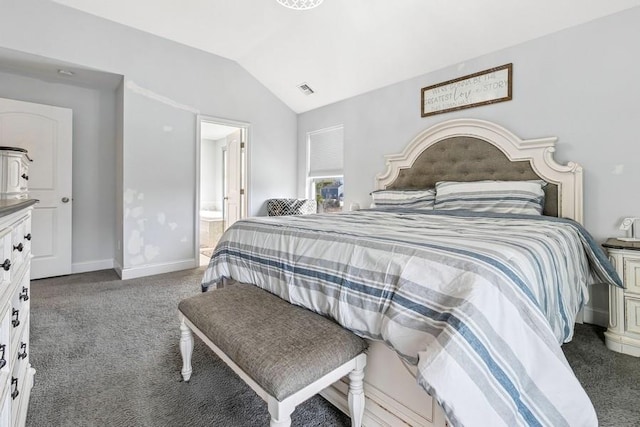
465 321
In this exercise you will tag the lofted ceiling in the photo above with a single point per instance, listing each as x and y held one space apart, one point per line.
343 48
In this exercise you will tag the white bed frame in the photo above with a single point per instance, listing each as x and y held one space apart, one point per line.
392 396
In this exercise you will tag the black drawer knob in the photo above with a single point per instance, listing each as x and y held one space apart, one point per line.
25 176
23 351
28 236
15 321
3 361
19 248
25 294
14 384
6 264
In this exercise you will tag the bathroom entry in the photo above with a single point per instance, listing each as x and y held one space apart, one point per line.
222 186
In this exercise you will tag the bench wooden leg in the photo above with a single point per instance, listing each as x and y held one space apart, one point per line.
280 413
356 392
186 349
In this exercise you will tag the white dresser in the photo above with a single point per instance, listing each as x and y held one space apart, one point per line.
623 334
14 173
16 373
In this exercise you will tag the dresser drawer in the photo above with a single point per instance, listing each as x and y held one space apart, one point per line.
18 387
632 308
5 260
632 274
5 349
20 310
19 244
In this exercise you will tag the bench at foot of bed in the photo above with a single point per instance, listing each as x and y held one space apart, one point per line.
285 353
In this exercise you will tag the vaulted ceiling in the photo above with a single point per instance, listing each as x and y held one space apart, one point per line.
343 48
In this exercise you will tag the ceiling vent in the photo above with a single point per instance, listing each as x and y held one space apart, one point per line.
306 89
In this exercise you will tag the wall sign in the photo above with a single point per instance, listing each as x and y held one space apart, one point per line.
486 87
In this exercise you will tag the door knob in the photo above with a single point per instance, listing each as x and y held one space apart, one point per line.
65 200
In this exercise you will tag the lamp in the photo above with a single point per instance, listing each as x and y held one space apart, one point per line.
300 4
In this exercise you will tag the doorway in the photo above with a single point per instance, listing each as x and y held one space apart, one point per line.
222 181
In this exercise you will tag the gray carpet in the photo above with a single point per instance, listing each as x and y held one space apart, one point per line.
106 354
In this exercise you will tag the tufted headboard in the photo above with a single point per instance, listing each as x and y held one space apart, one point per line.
474 150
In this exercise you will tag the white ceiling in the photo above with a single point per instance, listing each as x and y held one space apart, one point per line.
215 131
347 47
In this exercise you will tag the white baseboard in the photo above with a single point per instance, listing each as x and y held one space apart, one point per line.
150 270
596 316
117 267
83 267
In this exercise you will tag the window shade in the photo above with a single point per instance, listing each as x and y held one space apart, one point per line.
326 153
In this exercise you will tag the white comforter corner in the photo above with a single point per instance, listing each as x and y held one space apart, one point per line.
479 303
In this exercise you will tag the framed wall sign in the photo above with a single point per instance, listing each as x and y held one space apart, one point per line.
485 87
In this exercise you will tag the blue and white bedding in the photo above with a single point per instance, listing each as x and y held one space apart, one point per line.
479 302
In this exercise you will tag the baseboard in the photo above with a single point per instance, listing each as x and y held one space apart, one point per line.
83 267
596 316
150 270
117 267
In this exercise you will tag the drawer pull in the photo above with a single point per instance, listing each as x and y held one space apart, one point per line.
25 294
23 349
14 384
19 248
6 264
3 361
15 322
28 236
25 176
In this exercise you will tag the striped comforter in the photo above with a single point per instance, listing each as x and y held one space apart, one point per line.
480 303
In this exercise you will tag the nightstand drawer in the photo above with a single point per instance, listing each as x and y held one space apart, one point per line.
633 315
632 274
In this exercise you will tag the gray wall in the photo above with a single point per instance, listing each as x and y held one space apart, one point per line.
580 85
94 159
166 86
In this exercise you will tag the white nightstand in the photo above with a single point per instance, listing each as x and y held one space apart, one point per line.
623 334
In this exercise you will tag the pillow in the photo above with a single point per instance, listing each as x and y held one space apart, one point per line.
418 199
516 197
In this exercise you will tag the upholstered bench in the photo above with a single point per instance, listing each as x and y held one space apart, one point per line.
285 353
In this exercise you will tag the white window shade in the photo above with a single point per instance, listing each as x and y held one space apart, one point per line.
326 153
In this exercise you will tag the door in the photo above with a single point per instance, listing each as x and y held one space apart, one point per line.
46 132
233 179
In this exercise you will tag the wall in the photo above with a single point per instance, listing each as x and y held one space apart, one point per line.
166 85
94 134
579 84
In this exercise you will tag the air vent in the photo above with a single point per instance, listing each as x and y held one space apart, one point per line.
305 88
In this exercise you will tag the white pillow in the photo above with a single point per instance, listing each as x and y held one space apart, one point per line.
516 197
417 199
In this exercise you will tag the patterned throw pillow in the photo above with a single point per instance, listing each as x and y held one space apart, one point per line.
417 199
517 197
279 207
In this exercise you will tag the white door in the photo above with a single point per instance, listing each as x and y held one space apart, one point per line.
233 179
46 132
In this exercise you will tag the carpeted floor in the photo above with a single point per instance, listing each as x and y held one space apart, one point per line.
106 354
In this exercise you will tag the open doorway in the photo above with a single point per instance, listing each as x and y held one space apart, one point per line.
222 198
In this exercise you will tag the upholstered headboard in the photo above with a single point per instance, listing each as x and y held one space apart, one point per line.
473 150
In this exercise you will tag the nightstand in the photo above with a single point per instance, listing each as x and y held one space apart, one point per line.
623 334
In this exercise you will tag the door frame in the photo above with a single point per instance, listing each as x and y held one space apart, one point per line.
246 126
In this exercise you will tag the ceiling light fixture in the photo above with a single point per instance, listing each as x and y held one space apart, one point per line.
66 72
300 4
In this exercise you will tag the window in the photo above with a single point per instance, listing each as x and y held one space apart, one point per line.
325 180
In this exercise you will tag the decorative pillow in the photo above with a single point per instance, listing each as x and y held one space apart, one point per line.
517 197
418 199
